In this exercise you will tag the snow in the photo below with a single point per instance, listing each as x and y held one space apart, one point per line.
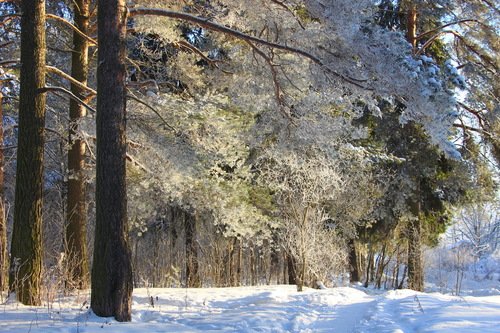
266 309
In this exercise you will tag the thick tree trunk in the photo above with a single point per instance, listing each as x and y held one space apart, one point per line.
353 262
112 269
192 272
4 259
76 228
415 268
26 247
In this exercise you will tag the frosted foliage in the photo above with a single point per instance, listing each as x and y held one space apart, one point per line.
199 166
351 48
308 185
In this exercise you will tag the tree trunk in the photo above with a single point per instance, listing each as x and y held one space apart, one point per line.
26 246
353 262
76 228
381 264
112 269
411 25
415 268
369 266
3 220
292 273
192 272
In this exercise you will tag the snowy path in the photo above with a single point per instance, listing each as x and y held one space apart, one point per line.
273 309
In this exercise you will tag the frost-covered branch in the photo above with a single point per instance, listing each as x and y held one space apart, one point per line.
205 23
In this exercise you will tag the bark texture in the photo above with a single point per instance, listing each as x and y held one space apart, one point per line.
411 23
112 269
353 262
192 268
415 267
76 227
4 264
26 246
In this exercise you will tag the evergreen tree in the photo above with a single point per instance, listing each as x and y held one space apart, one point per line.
76 228
26 246
111 268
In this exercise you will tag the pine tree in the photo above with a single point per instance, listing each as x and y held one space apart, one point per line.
26 246
76 228
111 269
4 258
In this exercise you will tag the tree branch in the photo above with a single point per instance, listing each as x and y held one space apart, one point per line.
137 163
430 32
205 23
477 114
69 93
68 77
6 43
283 5
212 62
9 62
138 100
277 87
487 59
72 26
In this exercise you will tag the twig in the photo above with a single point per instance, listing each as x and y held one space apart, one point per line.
278 92
282 4
213 62
138 100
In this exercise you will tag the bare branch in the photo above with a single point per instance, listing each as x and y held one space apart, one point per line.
68 77
473 129
72 26
138 100
430 32
212 62
205 23
6 43
283 5
69 93
490 62
9 62
278 92
477 114
137 163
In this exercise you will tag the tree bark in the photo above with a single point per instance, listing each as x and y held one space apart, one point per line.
26 246
192 272
415 268
353 262
369 266
411 26
292 272
76 228
112 269
4 259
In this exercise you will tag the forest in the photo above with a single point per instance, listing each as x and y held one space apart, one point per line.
203 144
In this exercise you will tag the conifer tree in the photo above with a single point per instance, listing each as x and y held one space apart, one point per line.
76 228
111 270
26 246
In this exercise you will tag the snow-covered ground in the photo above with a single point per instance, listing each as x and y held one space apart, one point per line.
266 309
